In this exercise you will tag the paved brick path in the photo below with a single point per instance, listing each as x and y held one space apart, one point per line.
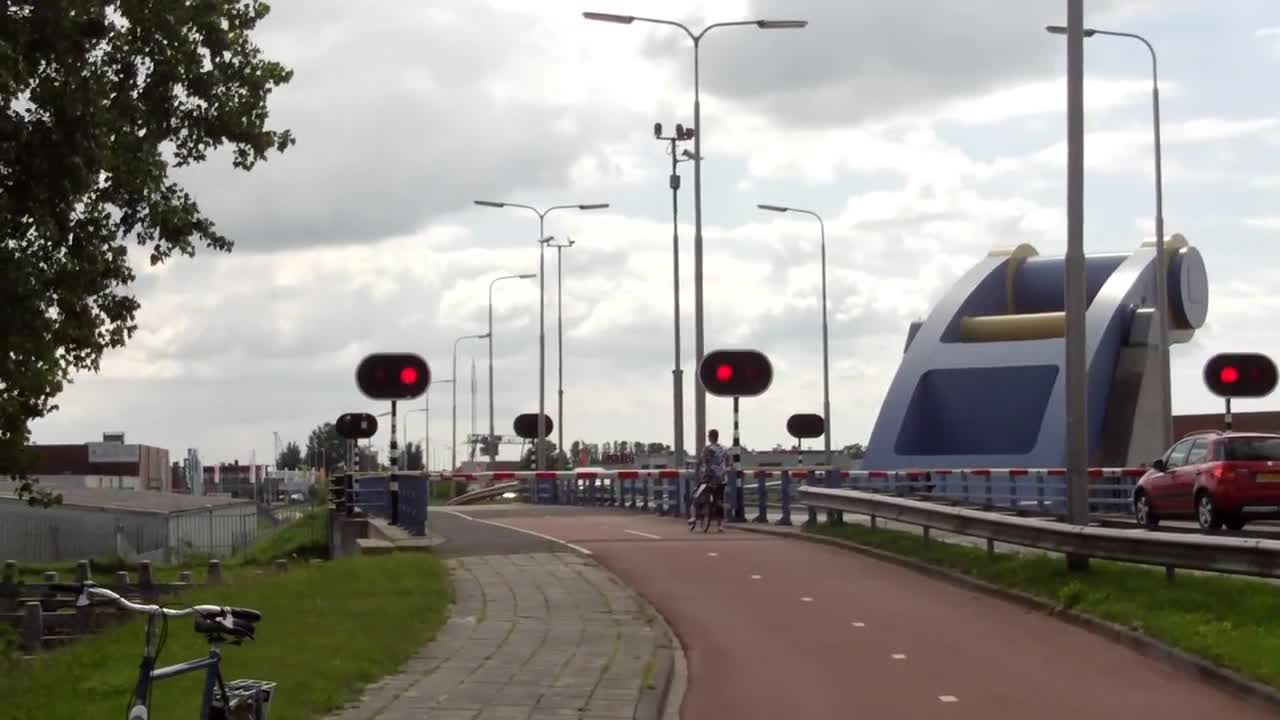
531 636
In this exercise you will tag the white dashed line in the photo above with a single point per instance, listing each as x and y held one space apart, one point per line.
651 536
755 577
711 554
570 545
948 698
858 624
899 656
806 598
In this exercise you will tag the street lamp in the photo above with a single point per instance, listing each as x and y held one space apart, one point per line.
493 446
826 371
453 453
700 394
1162 295
539 453
426 431
406 435
559 335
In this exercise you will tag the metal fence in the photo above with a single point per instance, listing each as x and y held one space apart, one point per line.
60 535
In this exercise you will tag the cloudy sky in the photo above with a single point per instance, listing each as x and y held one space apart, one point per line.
926 132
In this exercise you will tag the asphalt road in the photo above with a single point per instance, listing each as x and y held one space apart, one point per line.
779 628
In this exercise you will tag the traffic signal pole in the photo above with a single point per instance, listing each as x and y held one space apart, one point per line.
393 489
739 505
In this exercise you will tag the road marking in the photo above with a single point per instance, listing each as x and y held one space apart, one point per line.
948 698
806 598
899 656
536 534
755 577
711 554
651 536
858 624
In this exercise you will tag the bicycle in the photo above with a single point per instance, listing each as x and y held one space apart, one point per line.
235 700
704 503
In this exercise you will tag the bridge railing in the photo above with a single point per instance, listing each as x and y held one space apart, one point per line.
1026 491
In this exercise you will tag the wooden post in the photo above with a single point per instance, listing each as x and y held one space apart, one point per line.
281 565
184 577
146 583
215 573
122 582
82 571
10 572
32 628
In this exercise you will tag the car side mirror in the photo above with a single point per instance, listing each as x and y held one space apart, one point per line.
1158 465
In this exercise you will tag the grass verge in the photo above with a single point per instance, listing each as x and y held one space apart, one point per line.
1233 622
328 630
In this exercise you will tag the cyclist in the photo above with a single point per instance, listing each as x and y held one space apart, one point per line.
715 466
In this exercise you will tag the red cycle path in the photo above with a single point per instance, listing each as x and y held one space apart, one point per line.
777 628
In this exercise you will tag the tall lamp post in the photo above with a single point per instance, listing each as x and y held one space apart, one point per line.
493 446
426 431
826 364
700 394
681 134
453 451
1162 263
559 335
540 450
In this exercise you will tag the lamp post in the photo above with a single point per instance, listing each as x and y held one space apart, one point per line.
559 336
682 134
826 371
700 394
426 432
453 452
493 446
1162 265
406 436
539 452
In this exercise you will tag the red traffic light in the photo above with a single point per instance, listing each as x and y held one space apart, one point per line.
526 426
1240 375
735 373
393 376
806 426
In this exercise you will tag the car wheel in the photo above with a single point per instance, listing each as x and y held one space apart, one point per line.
1207 515
1236 523
1142 511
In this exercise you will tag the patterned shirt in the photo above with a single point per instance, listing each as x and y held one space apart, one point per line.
715 463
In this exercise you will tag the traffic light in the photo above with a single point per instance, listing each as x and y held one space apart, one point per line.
1240 375
338 492
526 426
735 373
356 426
806 426
393 376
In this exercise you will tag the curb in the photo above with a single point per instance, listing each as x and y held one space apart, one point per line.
1180 660
653 698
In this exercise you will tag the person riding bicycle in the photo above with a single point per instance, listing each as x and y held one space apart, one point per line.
715 468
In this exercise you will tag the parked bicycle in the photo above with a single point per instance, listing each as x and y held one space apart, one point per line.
234 700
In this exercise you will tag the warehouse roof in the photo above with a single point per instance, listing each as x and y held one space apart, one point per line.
137 500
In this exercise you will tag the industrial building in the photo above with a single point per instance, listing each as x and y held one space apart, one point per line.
112 463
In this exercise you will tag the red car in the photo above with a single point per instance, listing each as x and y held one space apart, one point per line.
1215 477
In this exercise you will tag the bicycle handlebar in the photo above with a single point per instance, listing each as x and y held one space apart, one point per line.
212 618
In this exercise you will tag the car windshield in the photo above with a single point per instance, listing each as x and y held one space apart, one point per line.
1253 448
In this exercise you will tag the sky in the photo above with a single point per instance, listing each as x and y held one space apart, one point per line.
924 133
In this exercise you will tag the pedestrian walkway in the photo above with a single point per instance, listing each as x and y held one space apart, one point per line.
530 637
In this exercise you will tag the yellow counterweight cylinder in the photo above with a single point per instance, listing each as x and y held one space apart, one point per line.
1004 328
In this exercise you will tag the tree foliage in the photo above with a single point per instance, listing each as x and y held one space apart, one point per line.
102 99
290 457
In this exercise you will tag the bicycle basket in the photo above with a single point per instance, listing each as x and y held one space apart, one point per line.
241 693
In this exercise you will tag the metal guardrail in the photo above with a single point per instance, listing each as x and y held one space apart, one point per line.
1238 556
1010 506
